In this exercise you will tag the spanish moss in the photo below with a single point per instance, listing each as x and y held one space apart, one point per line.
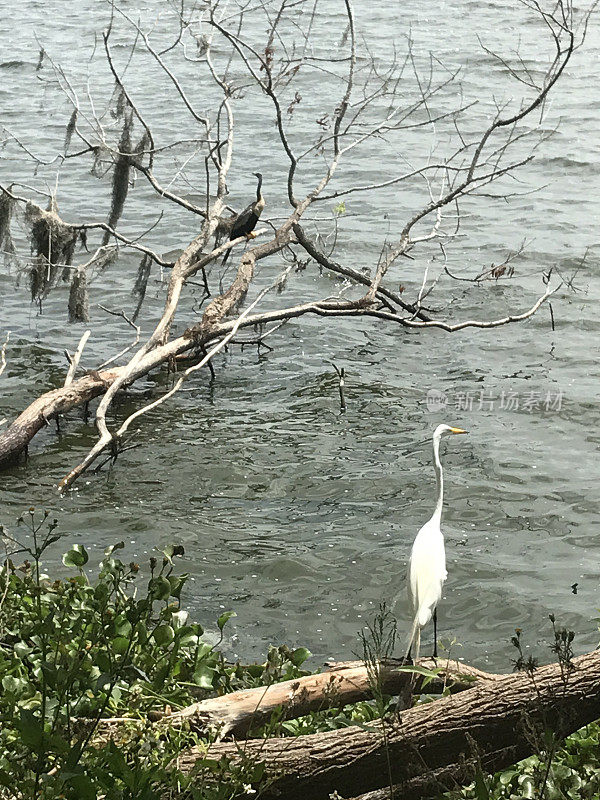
104 259
140 147
70 130
6 211
53 244
141 282
79 304
100 154
120 185
122 104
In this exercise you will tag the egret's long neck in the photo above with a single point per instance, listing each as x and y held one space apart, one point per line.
439 475
258 188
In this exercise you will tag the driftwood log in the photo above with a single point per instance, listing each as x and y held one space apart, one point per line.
343 684
431 747
15 440
236 714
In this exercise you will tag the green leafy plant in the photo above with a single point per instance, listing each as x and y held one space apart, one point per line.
76 650
561 769
574 774
113 641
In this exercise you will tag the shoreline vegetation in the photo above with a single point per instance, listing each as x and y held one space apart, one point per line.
109 690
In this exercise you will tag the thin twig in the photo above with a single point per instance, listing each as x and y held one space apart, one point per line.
341 385
125 349
74 359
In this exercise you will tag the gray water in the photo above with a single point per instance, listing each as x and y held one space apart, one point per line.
297 516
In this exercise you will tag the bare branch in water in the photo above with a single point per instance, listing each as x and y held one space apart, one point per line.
262 53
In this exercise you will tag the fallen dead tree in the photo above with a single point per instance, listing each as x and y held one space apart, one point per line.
430 747
488 721
235 715
346 683
16 438
353 115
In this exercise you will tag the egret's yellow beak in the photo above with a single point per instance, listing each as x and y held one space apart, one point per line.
458 430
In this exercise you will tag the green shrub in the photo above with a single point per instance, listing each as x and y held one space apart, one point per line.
75 650
572 774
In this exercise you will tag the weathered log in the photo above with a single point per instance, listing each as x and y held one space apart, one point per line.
432 746
15 439
235 714
344 683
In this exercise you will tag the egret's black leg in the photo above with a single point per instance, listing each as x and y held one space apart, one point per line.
435 633
409 656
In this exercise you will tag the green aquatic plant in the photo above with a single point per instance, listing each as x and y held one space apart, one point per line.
561 768
574 774
109 642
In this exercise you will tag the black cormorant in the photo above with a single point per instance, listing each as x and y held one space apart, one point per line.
246 220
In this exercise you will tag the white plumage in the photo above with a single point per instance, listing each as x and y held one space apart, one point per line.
427 566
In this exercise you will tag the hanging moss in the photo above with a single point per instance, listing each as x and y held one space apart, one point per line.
141 279
122 103
79 303
6 211
10 254
141 283
70 129
6 208
53 244
100 156
120 184
103 260
140 147
38 279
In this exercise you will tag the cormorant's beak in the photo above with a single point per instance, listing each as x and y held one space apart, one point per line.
457 430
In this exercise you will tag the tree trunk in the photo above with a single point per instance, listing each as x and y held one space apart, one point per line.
345 683
432 746
15 439
341 684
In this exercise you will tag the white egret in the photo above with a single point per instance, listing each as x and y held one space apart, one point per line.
427 565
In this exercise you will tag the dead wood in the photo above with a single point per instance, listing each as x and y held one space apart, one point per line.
341 684
346 683
15 439
432 746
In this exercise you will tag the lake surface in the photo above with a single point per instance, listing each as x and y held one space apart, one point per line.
297 516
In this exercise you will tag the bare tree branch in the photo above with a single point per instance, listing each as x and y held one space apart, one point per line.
75 358
264 50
